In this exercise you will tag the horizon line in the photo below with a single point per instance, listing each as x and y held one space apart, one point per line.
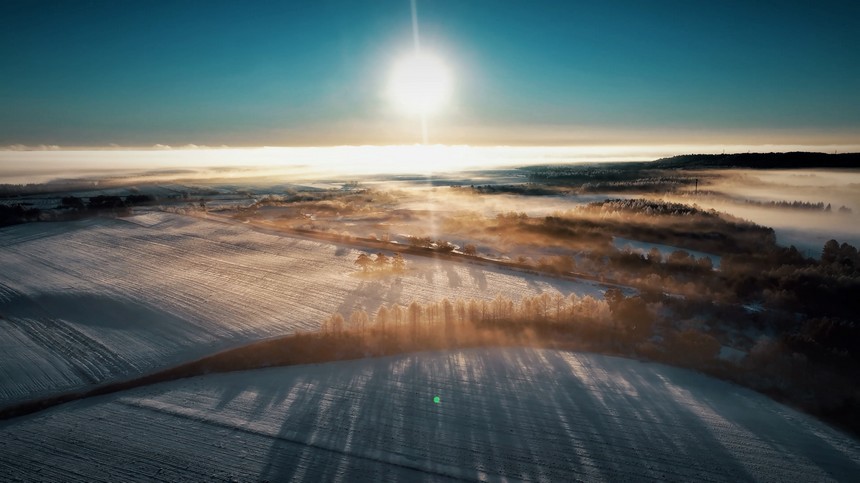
740 148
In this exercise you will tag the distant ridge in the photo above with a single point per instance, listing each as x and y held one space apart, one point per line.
792 160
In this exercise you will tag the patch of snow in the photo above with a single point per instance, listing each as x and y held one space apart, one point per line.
754 308
665 250
731 354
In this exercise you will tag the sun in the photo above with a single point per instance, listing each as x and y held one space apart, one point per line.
420 84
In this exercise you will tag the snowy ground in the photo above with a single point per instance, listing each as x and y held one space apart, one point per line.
665 250
103 299
503 415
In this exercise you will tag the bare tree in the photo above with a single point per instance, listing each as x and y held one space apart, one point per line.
415 313
398 263
382 317
381 261
396 314
358 320
335 323
363 261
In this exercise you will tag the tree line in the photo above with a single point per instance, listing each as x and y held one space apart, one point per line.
812 364
799 205
72 207
381 263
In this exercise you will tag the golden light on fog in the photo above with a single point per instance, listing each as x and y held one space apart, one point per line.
420 84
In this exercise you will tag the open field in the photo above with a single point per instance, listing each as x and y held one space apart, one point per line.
104 299
512 414
105 306
426 240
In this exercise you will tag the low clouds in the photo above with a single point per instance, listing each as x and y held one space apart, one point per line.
189 146
40 147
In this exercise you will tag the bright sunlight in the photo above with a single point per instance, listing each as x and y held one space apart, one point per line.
420 84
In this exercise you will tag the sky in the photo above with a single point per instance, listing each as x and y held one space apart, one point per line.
524 73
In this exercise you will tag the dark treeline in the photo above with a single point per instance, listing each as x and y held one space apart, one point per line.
528 189
795 160
15 214
583 184
784 278
73 207
631 171
603 178
778 278
668 175
651 221
648 184
59 186
571 175
105 202
798 205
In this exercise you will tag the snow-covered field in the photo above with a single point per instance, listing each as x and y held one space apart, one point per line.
503 415
103 299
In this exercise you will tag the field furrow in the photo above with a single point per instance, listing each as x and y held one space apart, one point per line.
504 414
170 288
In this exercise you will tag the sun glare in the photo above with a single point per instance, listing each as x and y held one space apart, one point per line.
420 84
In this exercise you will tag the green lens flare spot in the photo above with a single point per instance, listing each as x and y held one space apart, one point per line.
437 399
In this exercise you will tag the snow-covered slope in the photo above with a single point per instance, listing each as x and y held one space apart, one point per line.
100 299
503 414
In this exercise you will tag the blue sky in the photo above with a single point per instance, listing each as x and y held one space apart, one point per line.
525 72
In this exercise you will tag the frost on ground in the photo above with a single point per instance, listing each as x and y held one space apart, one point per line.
503 414
104 299
641 247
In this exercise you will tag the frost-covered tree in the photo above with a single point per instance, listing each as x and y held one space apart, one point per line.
398 263
396 314
359 320
447 311
381 261
383 315
462 311
679 257
335 323
363 261
415 313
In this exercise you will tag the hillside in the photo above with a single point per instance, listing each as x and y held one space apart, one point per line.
502 414
107 299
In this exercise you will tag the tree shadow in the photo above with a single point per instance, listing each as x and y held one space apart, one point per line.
502 414
478 277
537 415
454 280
